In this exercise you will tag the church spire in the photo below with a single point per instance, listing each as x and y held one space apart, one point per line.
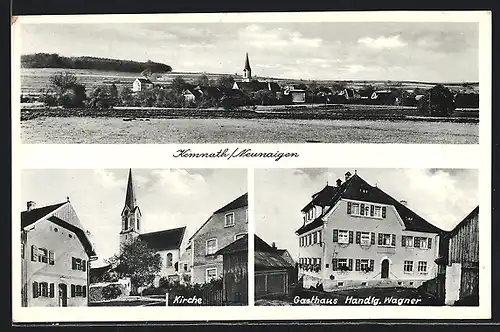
130 200
247 64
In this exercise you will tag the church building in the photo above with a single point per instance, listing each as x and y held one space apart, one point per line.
169 243
249 85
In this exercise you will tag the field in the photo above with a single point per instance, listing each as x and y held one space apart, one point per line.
35 79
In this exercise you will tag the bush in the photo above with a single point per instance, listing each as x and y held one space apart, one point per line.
111 291
438 101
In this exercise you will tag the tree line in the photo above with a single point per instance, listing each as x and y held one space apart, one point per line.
53 60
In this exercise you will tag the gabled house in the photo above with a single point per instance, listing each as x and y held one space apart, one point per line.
350 94
385 97
226 225
191 95
354 235
297 96
55 254
286 256
142 83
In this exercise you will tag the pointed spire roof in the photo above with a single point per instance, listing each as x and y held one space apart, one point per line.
130 200
247 63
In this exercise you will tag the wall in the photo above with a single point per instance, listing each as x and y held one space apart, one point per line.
64 248
339 219
453 274
214 228
464 244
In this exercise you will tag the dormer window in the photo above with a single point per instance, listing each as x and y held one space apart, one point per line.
310 214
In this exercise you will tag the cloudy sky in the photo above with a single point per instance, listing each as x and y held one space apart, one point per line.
434 52
168 198
443 197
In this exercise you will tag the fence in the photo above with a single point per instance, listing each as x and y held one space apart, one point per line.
212 296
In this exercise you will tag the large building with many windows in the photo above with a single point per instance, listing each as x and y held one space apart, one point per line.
354 234
55 255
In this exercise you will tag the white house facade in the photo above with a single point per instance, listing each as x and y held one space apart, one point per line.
356 235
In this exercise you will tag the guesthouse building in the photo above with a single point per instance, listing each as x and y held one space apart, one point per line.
354 234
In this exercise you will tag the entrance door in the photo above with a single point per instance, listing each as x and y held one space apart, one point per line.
63 295
384 274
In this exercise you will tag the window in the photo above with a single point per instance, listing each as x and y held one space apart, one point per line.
211 274
44 289
343 236
185 267
78 264
377 211
386 240
340 283
423 243
229 220
343 263
43 255
407 241
310 214
320 240
364 264
211 246
309 239
365 238
355 209
315 237
408 266
22 250
239 236
169 259
422 267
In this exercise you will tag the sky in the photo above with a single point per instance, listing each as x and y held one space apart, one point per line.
426 51
441 196
168 198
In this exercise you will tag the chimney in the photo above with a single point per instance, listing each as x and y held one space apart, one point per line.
30 205
339 182
403 202
273 245
347 175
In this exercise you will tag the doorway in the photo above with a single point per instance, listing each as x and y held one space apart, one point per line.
384 274
63 295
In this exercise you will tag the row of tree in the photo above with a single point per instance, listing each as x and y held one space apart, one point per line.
53 60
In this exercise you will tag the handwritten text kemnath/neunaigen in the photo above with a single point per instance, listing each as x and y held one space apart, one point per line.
236 153
352 300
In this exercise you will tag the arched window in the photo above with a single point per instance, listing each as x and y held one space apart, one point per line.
169 259
138 224
126 224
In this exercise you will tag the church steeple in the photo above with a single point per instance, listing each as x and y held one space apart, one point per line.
131 214
130 200
247 71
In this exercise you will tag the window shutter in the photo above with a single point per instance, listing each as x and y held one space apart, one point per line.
358 237
84 265
416 242
334 264
34 253
372 263
35 289
372 238
350 264
46 289
349 206
72 290
84 291
379 239
51 258
335 235
372 210
393 240
351 235
73 263
403 241
358 264
51 292
384 211
429 243
362 210
319 237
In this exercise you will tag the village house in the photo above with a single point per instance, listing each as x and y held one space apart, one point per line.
168 243
462 261
384 97
354 234
298 96
349 94
235 271
55 255
224 226
142 83
274 274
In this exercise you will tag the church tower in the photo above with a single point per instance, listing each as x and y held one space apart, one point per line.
131 214
247 71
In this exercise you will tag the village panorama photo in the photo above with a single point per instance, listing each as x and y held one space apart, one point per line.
317 81
123 237
396 237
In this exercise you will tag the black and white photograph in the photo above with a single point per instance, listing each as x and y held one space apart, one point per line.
373 237
249 82
134 237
